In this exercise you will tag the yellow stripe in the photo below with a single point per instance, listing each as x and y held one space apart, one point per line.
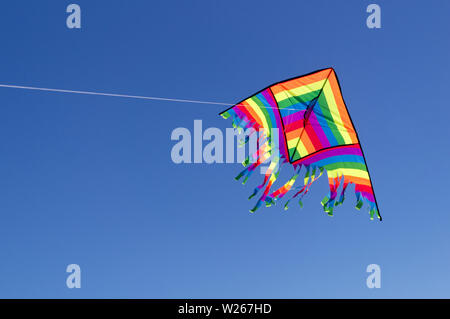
335 113
301 149
258 111
292 142
348 171
283 95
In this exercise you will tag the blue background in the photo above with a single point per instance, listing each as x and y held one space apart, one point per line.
89 180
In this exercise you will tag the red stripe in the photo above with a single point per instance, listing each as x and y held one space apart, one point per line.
313 136
293 126
363 188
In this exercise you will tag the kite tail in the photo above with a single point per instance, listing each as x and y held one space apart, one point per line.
247 172
261 155
272 167
362 197
329 201
273 172
280 192
342 196
246 138
265 151
309 179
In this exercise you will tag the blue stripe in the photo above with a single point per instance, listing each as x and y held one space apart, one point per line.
341 159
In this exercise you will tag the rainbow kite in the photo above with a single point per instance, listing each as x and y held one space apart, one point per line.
304 121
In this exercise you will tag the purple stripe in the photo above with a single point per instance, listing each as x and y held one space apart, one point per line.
318 130
291 118
368 196
335 151
269 98
240 114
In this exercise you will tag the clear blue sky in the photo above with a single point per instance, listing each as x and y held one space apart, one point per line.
89 180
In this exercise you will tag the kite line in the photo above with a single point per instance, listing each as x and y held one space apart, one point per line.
154 98
141 97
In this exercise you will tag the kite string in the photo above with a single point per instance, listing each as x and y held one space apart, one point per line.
111 94
154 98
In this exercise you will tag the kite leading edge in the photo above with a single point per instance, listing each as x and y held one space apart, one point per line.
315 131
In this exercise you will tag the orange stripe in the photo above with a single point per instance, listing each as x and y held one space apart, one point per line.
358 180
290 135
354 180
308 143
295 83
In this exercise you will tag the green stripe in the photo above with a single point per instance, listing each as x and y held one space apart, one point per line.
353 165
264 111
225 115
304 98
327 114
